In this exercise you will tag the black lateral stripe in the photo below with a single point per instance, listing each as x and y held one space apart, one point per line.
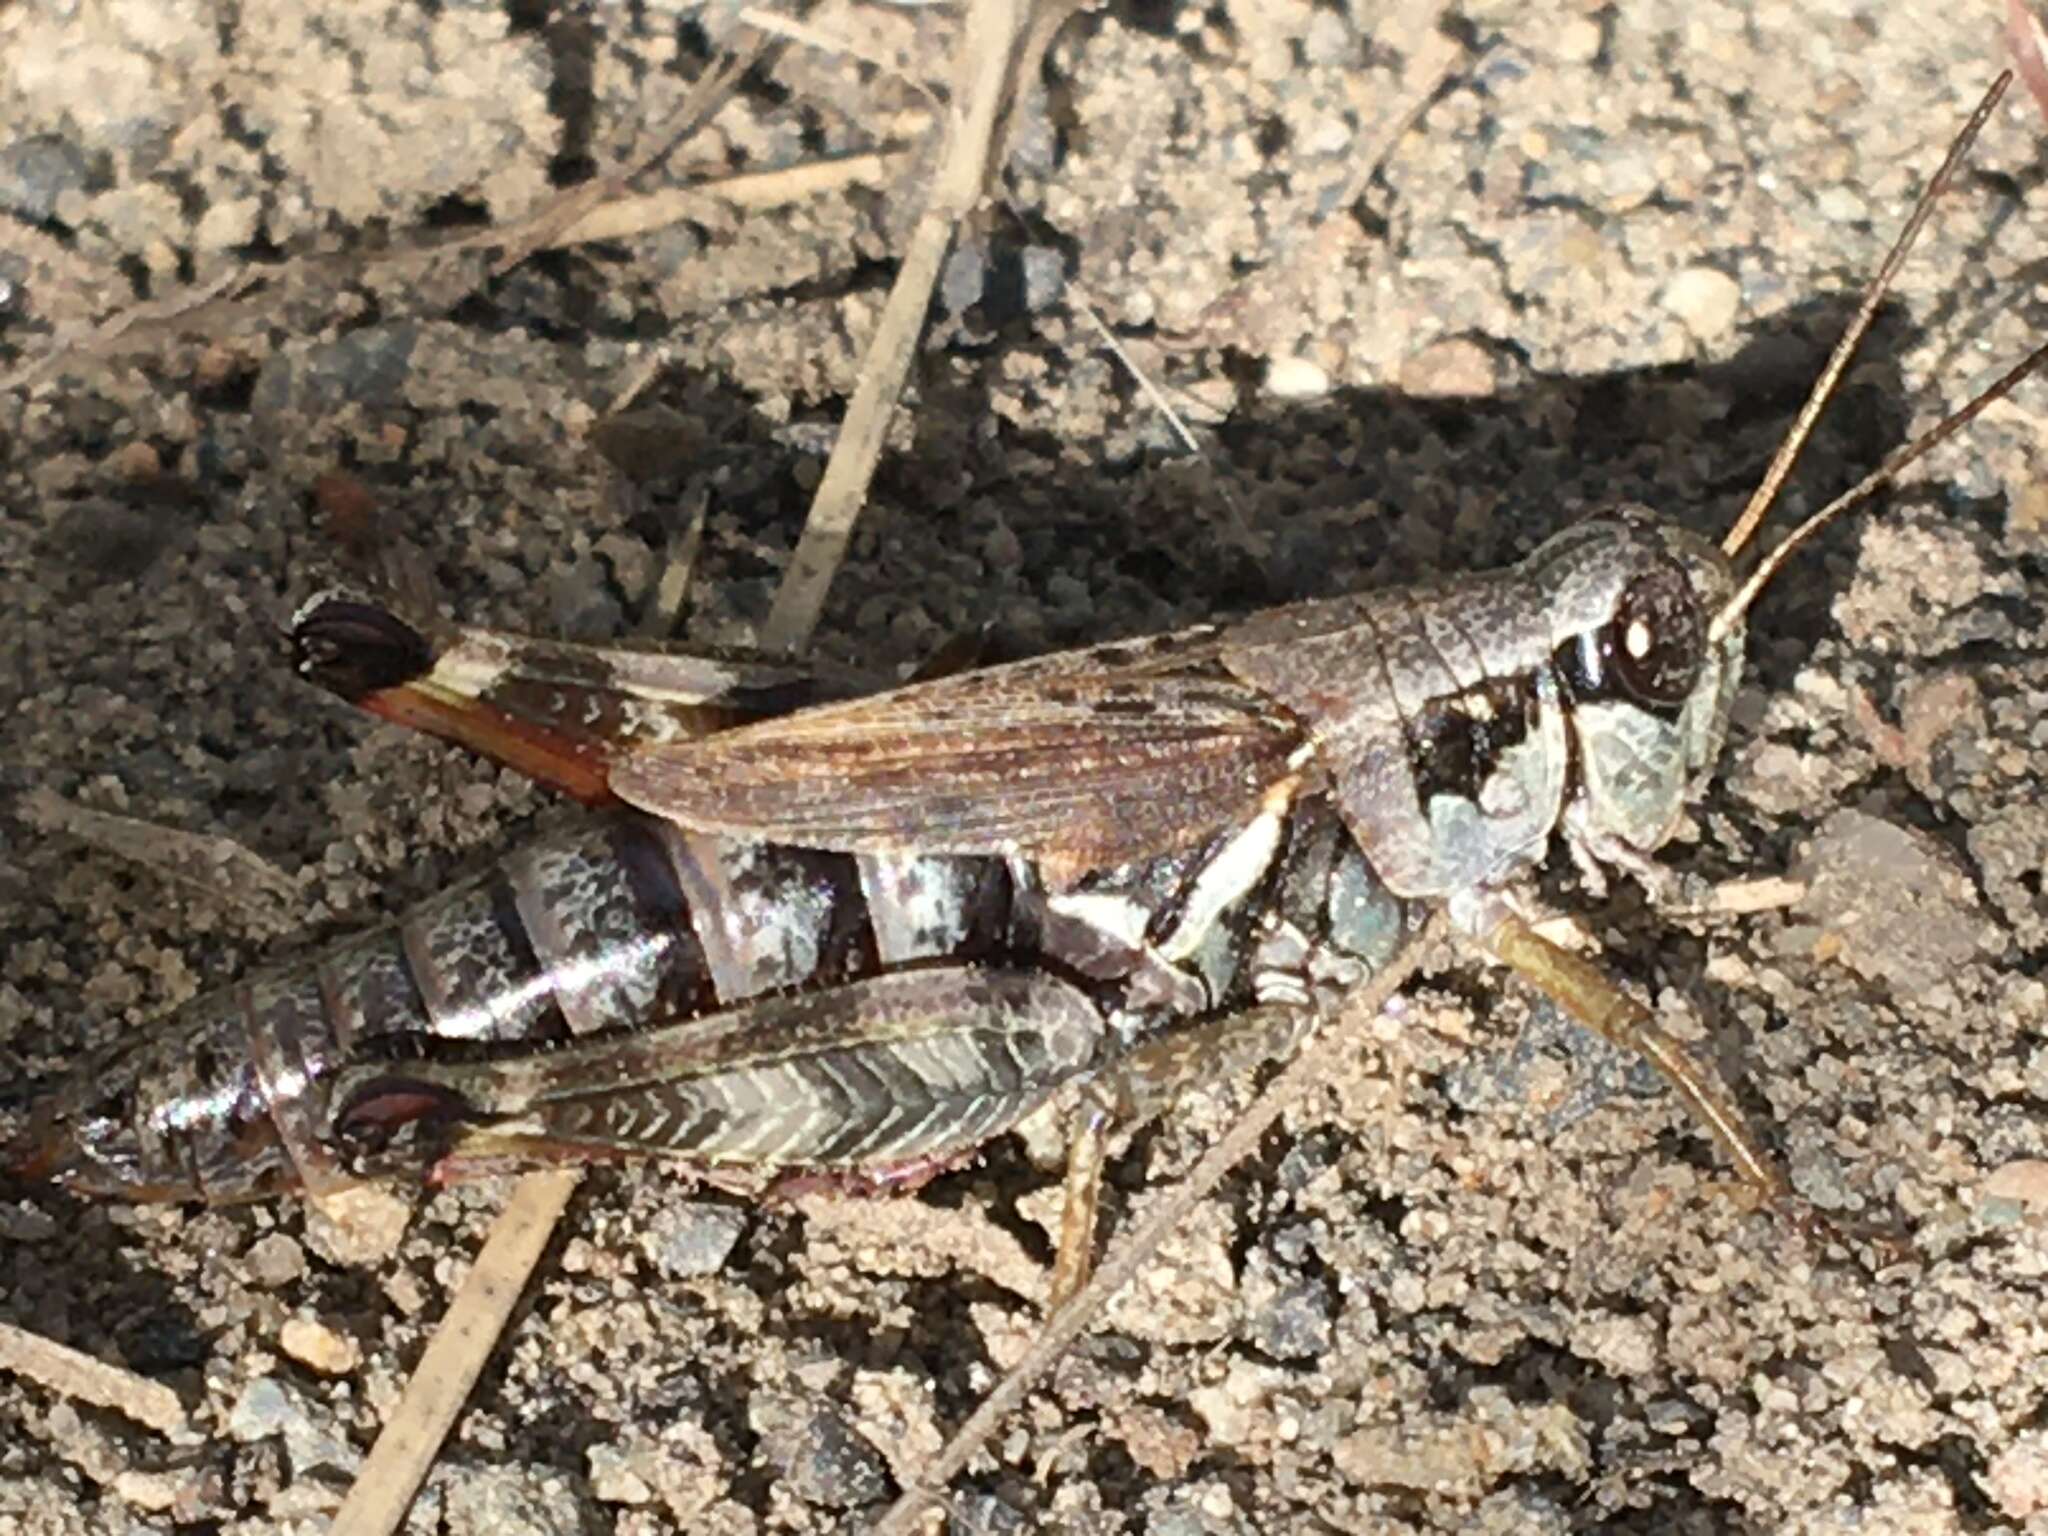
1301 830
1303 867
658 900
1574 769
849 949
1177 876
1240 925
761 701
1455 743
998 925
1241 920
549 1024
1583 666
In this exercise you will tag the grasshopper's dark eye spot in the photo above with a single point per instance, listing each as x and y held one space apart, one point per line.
1656 642
1649 653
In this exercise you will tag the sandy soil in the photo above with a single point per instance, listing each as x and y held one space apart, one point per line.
1603 266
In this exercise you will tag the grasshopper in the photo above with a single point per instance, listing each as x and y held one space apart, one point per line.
918 915
871 934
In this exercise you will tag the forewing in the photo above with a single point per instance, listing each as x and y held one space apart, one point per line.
1090 758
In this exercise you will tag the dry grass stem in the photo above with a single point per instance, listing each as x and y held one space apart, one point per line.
68 1373
987 59
622 218
404 1453
202 861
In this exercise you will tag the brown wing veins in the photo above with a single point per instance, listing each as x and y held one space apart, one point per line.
1088 758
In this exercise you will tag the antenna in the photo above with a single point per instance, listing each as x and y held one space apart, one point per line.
1873 295
1732 611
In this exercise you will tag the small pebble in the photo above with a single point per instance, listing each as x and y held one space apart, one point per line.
1329 42
1455 368
217 364
1578 41
963 279
1296 378
318 1347
1002 549
1705 301
983 1514
1045 277
265 1408
136 461
36 170
692 1238
817 1453
153 1491
26 1224
2025 1179
275 1261
508 1501
1295 1323
357 1226
1842 205
613 1478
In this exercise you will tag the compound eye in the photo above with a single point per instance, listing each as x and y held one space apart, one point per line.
1657 640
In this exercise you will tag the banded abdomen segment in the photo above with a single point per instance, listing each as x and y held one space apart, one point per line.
634 933
610 925
930 1057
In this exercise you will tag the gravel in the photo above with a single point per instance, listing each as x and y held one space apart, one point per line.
1460 1294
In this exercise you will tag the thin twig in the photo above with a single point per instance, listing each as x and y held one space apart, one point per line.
455 1356
65 1371
1307 1071
202 310
1765 893
1153 392
136 317
1241 530
698 107
621 218
805 35
201 860
678 567
986 59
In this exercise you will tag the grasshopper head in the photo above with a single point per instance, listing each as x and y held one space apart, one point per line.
1650 667
1645 680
